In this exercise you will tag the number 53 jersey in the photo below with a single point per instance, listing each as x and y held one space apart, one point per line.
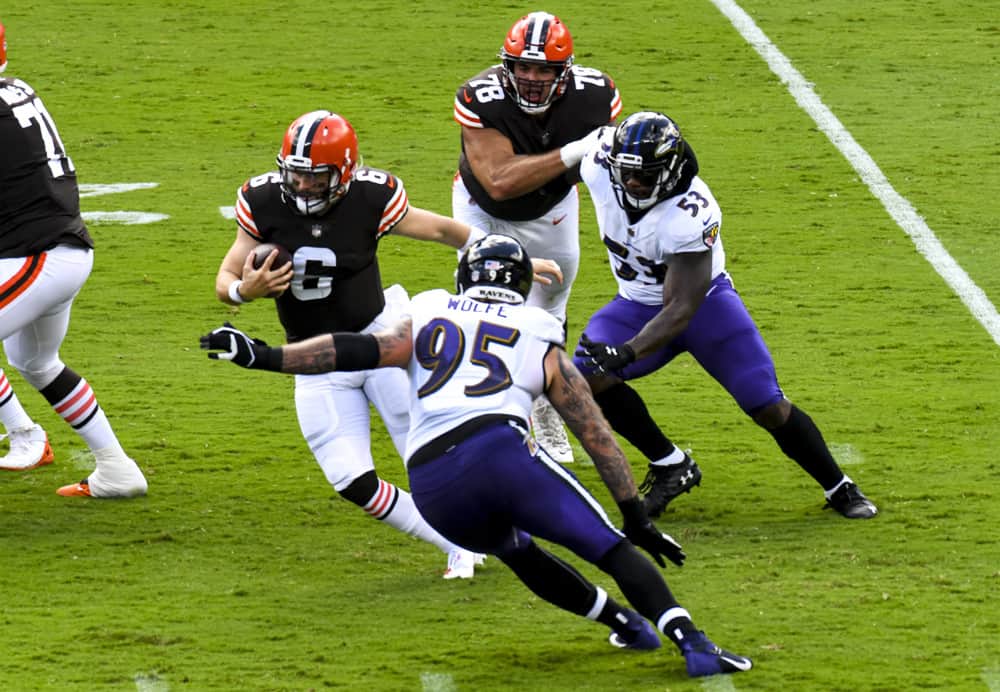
471 359
640 252
337 285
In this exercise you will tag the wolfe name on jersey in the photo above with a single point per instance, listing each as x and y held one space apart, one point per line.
467 357
336 284
640 252
591 100
39 197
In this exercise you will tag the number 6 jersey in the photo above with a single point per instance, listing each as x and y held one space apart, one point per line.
337 285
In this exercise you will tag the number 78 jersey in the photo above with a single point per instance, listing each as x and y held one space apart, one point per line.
640 253
472 358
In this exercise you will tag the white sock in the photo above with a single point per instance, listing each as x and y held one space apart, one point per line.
80 409
675 457
12 414
829 493
396 508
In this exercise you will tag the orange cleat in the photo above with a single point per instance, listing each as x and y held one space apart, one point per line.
29 449
81 489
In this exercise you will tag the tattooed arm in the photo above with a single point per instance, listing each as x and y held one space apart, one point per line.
571 397
346 351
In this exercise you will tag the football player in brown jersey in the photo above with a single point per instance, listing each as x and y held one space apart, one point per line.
46 255
330 212
526 124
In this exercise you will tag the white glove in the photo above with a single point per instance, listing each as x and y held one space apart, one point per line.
572 154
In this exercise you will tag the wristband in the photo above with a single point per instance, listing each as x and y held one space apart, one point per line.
632 510
573 153
234 293
271 358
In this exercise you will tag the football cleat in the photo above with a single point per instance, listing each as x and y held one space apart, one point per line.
81 489
462 563
29 449
665 482
116 476
549 431
636 634
702 657
852 503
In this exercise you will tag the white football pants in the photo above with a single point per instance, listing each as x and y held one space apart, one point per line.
555 236
333 407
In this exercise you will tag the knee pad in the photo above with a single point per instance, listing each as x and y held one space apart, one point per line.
39 372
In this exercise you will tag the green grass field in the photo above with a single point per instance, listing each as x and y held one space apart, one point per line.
242 570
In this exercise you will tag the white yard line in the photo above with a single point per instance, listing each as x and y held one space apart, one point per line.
898 207
846 454
126 218
719 683
991 676
437 682
150 682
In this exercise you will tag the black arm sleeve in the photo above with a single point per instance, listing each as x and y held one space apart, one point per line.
355 351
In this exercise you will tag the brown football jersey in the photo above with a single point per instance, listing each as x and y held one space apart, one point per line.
336 285
590 100
39 197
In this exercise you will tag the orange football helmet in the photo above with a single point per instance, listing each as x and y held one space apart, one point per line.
539 38
317 143
3 48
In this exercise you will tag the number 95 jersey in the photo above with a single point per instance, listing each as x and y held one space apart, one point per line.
336 285
472 358
640 252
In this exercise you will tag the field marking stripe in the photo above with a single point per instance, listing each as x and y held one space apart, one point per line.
991 676
437 682
898 207
718 683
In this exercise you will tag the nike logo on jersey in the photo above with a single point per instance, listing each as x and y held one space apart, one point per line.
465 95
558 220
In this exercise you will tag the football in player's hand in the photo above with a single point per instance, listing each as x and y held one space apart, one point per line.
261 252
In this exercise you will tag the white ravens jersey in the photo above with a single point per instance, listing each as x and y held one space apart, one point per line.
472 358
640 253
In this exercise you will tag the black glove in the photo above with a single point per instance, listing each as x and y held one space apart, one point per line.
241 349
640 530
605 358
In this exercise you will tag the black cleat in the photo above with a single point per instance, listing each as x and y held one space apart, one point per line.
664 483
852 503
